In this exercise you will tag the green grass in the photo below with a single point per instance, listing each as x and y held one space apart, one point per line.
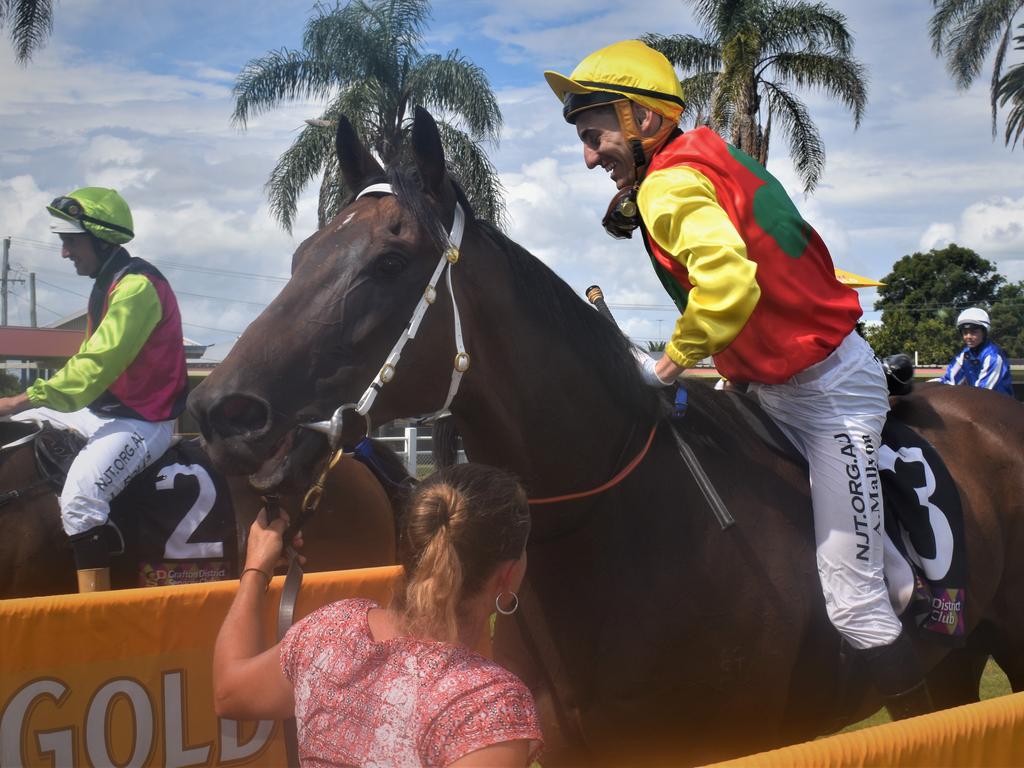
993 683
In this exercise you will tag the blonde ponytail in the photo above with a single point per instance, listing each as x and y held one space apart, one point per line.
434 583
461 523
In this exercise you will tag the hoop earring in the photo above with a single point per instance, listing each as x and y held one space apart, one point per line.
507 611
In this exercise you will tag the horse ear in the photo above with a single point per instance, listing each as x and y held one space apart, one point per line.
357 165
428 151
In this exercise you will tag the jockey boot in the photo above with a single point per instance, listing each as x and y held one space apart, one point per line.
93 579
916 701
897 675
92 559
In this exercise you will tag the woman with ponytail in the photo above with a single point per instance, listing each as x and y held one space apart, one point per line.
397 686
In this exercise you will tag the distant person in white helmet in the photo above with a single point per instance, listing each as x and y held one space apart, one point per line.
981 363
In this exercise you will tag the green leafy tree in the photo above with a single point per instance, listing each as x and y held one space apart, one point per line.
742 76
365 60
28 24
656 346
1011 93
964 31
923 295
1007 315
932 341
10 385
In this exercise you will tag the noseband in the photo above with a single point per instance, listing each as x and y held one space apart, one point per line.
445 266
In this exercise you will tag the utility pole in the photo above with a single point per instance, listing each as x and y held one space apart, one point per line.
3 280
32 299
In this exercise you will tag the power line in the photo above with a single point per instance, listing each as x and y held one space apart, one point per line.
211 328
61 288
221 298
165 263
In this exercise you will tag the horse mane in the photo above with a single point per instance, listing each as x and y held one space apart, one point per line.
548 299
604 348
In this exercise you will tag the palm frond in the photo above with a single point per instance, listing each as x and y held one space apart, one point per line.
803 25
687 52
970 40
697 91
302 162
724 17
473 170
805 145
1011 92
267 81
312 155
460 88
948 14
29 23
997 73
841 77
342 38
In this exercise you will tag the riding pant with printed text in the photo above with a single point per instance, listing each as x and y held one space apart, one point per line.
834 412
116 450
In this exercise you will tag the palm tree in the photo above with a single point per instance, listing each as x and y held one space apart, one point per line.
741 75
365 59
1011 90
29 23
964 31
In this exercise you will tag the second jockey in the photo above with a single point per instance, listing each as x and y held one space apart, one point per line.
125 386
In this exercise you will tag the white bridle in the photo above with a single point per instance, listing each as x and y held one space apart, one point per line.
445 266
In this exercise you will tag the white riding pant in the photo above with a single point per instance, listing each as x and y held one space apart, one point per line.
834 412
116 450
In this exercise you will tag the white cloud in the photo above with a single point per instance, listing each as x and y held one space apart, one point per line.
938 235
993 227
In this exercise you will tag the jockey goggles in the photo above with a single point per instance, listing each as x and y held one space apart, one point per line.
72 209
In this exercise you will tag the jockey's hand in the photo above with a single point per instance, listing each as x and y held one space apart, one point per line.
657 373
14 404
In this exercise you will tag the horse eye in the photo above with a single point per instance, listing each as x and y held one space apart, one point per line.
390 265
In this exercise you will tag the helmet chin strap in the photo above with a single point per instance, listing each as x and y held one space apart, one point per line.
641 146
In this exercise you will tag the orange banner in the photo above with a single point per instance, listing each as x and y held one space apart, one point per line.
123 678
990 732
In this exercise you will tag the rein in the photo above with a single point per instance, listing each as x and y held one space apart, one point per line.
46 478
622 474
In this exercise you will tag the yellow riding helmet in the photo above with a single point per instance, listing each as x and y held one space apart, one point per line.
628 69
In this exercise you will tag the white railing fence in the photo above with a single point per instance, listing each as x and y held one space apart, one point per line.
415 449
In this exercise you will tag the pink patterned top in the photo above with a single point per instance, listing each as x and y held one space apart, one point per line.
397 703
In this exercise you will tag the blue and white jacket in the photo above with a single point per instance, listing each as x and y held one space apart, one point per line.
986 367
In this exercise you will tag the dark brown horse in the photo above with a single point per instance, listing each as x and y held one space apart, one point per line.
647 632
353 526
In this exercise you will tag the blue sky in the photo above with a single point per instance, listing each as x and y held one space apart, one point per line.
137 96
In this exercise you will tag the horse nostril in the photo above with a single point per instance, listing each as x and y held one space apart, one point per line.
239 415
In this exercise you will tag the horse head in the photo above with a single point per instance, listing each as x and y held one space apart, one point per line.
355 285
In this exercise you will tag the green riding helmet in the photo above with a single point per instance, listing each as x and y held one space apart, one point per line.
96 210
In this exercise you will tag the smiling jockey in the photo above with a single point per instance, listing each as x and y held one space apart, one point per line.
755 288
127 383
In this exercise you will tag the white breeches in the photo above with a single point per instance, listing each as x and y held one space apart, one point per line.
834 412
117 449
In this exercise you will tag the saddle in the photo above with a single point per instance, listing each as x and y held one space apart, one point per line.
175 520
55 449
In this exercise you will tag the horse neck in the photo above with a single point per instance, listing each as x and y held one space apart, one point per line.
530 403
